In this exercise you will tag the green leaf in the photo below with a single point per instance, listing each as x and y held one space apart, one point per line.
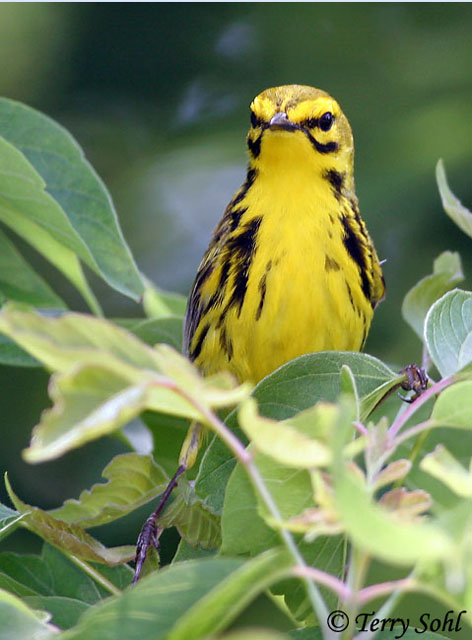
65 612
168 433
187 600
62 194
452 205
20 622
296 386
13 356
9 521
445 467
220 606
168 330
447 273
195 521
52 582
448 332
283 441
19 282
248 529
301 383
160 304
133 480
70 538
53 574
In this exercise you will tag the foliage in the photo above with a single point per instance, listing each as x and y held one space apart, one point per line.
336 503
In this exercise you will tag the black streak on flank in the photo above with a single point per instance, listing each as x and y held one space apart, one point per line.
354 248
226 343
336 180
262 289
195 352
251 176
236 217
242 247
219 294
254 146
331 264
349 293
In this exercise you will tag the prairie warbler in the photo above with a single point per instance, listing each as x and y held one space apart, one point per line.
290 268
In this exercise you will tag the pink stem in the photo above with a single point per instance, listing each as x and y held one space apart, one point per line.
419 402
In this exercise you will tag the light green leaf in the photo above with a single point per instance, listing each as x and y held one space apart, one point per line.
89 402
60 343
442 465
20 622
74 339
61 193
453 407
395 541
452 205
133 480
283 441
447 273
188 600
68 537
19 282
448 329
56 253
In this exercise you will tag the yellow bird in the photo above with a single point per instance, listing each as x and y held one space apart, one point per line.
291 268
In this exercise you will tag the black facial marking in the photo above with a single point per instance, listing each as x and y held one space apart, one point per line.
329 147
254 145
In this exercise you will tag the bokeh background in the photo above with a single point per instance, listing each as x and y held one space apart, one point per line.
158 95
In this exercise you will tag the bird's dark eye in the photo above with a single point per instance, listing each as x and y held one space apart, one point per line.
254 119
326 121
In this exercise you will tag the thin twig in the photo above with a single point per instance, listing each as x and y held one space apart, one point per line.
326 579
245 458
385 588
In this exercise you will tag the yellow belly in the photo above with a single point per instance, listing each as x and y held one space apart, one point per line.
303 295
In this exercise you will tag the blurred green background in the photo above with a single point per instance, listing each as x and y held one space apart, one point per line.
158 95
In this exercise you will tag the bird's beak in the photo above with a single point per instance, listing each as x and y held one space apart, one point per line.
282 121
